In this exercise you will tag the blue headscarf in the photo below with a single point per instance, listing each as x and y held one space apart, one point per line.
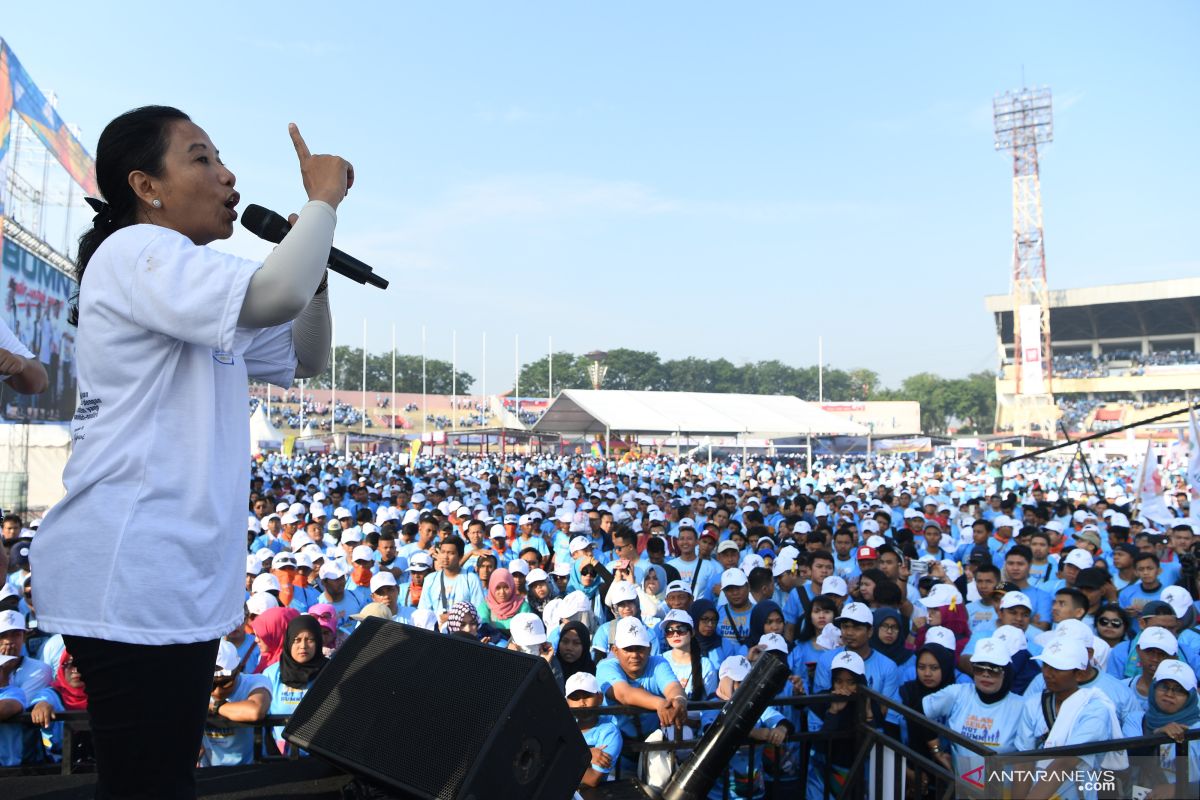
1187 716
575 583
758 619
713 640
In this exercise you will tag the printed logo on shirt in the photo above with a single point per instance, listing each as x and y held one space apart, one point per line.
223 357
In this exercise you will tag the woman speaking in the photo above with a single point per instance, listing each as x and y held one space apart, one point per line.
140 566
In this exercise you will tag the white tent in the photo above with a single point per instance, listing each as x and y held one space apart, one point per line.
263 435
583 411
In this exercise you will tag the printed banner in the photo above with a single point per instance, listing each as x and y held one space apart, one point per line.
19 92
1033 376
35 308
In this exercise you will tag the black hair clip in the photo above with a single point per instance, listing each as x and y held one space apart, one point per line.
103 211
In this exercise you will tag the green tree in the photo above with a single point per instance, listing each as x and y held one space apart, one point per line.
379 373
635 370
570 372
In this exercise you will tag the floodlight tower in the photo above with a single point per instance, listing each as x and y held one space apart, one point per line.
1023 120
597 369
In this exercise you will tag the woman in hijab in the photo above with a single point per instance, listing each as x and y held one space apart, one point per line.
300 660
574 652
713 646
270 629
503 601
652 593
935 671
463 619
889 635
69 688
538 591
986 710
766 617
331 636
1172 709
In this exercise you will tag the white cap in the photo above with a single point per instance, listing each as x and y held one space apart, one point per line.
782 564
728 544
351 535
631 633
1003 521
952 568
579 543
283 560
420 561
562 569
876 541
227 659
1014 599
687 522
1158 638
1178 598
422 618
290 519
341 513
527 630
735 668
1013 637
733 577
835 584
518 566
331 571
849 660
1064 653
940 635
264 554
679 615
752 562
1067 629
1079 558
253 565
991 651
381 579
679 586
581 682
536 575
265 583
498 532
1177 671
773 641
11 621
621 592
855 612
260 602
941 595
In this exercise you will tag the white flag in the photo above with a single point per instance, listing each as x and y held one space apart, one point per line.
1152 505
1193 467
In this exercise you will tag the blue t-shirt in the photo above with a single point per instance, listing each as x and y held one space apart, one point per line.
606 736
234 745
994 725
284 698
656 677
1134 596
12 736
882 675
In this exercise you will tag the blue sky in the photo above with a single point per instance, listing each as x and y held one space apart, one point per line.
692 178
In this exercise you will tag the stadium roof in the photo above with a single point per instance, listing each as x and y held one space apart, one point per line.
577 411
1116 311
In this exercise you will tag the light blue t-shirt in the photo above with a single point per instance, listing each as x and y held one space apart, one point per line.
960 708
683 674
606 736
12 736
656 677
1091 725
284 698
882 675
233 746
1129 710
438 594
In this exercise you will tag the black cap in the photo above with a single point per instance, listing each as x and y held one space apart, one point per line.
980 554
1156 608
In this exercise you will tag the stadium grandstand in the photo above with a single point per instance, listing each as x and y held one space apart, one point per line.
1120 353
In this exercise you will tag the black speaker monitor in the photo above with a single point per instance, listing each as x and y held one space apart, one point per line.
435 716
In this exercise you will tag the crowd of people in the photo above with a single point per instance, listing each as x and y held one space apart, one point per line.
653 582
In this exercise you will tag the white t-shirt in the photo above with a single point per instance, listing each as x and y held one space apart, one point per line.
148 546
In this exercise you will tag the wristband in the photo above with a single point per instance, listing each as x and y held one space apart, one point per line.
216 709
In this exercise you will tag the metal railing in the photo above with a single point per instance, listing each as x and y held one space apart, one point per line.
873 738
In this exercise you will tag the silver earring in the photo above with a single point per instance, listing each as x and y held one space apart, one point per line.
157 203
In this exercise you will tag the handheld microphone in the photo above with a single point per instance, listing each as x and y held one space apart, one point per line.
266 224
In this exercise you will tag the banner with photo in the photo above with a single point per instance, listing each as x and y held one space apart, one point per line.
36 300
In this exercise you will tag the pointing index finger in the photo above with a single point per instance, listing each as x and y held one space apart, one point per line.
301 148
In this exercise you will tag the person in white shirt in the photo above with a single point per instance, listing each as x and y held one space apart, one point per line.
170 331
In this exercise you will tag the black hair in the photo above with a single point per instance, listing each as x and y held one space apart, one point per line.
136 141
887 593
1078 598
986 523
760 578
821 602
454 542
822 555
991 569
1021 551
1146 557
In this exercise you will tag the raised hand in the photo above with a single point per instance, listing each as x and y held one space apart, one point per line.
326 178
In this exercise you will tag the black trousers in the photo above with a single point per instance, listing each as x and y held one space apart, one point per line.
147 705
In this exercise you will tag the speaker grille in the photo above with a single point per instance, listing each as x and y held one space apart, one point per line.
379 711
